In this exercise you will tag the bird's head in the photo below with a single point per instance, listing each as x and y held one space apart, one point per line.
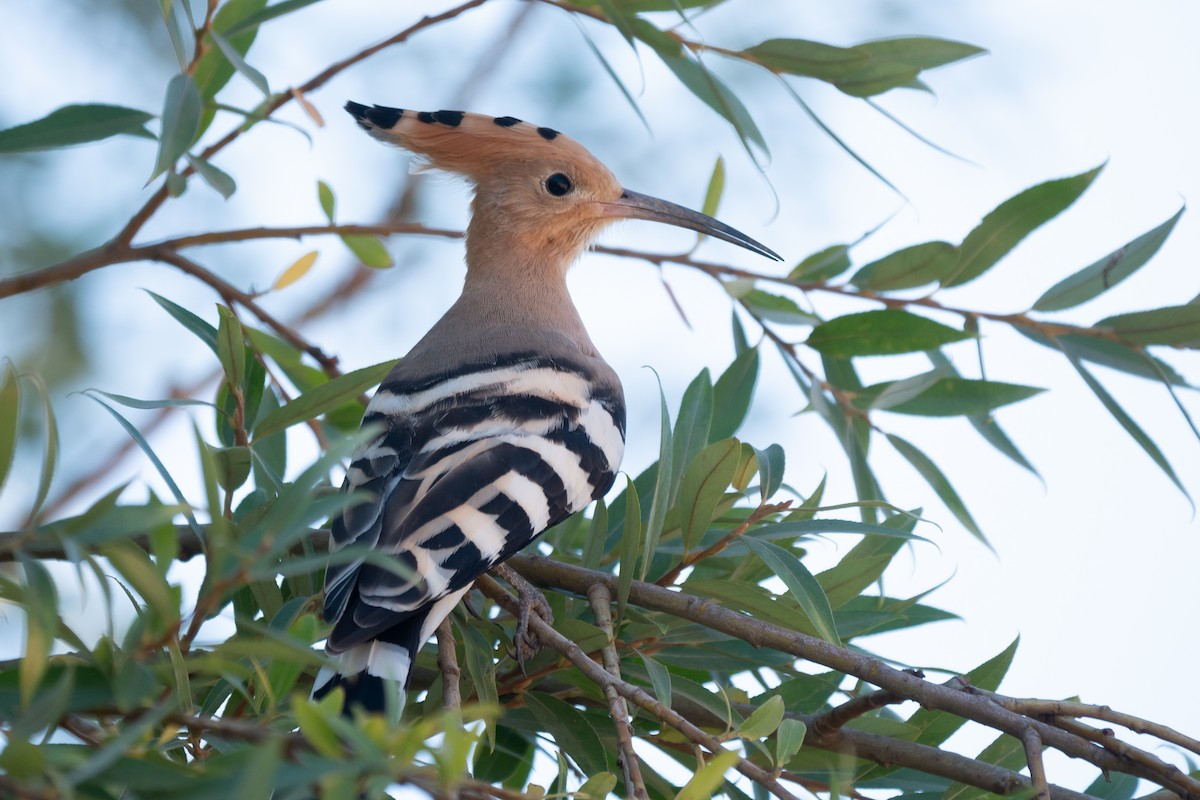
539 194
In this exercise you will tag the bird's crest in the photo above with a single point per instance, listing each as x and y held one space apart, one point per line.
469 144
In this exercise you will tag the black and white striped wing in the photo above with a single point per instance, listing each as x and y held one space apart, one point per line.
472 467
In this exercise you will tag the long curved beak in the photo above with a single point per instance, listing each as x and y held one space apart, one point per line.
632 205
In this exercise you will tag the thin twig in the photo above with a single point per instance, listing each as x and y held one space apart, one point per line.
1066 708
601 677
447 661
826 725
631 768
1037 768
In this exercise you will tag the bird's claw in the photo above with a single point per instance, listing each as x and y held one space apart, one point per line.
529 601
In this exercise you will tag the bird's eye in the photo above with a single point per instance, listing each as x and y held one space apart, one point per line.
558 184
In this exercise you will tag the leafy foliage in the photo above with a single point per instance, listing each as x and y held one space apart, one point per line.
203 692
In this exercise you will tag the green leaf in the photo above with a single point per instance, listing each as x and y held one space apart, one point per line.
252 21
878 333
1117 786
811 59
945 397
823 265
572 731
925 52
692 424
660 679
133 402
74 124
231 347
220 181
938 481
732 395
214 70
937 726
616 79
788 741
40 602
313 719
369 250
709 778
770 470
764 720
327 200
597 787
703 487
1127 422
51 448
235 58
661 500
716 187
1013 220
908 268
321 399
180 122
1115 355
10 406
511 756
139 571
717 96
1004 751
1106 273
1173 325
801 583
631 545
233 466
772 307
481 663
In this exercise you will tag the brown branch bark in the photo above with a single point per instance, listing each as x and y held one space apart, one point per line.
447 660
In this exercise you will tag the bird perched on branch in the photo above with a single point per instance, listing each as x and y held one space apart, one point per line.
503 420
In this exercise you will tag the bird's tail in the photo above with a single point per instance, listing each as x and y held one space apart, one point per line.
374 676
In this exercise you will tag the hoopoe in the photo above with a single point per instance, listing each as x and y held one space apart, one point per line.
503 420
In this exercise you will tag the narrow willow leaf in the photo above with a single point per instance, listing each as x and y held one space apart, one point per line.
1013 220
770 470
885 332
257 778
327 200
369 250
10 405
313 719
660 679
180 122
1127 422
74 124
231 347
811 59
1004 751
612 74
703 487
252 21
788 741
597 787
50 448
691 425
296 271
948 397
508 763
732 394
1122 357
661 500
898 392
235 58
323 398
823 265
938 481
176 28
716 188
1173 325
572 731
774 308
220 181
801 583
909 268
1115 786
40 602
764 720
717 96
214 70
704 784
1106 273
139 571
481 663
631 545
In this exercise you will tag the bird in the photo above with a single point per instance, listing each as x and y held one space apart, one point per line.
503 419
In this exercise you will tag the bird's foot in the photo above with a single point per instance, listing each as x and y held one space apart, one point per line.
530 601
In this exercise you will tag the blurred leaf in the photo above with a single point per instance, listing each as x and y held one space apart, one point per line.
773 307
481 664
660 679
510 757
732 395
908 268
40 603
139 571
764 720
898 392
180 122
74 124
231 348
313 719
1106 273
1173 325
1127 422
703 487
709 778
1111 354
937 726
861 567
369 250
770 470
616 79
716 187
1013 220
692 424
327 200
233 466
219 180
10 406
252 21
885 332
572 731
214 69
801 583
818 60
598 786
296 271
50 448
717 96
321 399
789 740
948 397
1117 786
133 402
1004 751
235 58
661 499
823 265
938 481
203 331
